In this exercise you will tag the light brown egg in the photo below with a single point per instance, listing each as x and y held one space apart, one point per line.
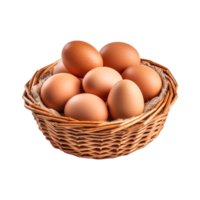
80 57
60 68
119 56
146 78
125 100
100 80
86 107
58 89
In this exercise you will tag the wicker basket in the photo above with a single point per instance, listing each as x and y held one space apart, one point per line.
101 140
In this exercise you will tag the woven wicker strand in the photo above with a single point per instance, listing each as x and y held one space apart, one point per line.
100 140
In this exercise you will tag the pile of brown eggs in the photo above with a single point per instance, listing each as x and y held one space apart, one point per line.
89 85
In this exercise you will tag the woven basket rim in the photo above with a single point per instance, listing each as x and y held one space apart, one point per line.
101 140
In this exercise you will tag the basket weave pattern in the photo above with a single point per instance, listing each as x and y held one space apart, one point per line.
101 140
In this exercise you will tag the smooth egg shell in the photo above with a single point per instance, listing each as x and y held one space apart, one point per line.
80 57
119 56
125 100
86 107
60 68
100 80
58 89
146 78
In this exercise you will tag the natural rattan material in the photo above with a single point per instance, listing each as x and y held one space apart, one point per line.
100 140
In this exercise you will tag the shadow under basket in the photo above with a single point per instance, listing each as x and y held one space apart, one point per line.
100 140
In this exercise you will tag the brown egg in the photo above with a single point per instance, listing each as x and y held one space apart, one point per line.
86 107
100 80
60 68
146 78
58 89
125 100
80 57
119 56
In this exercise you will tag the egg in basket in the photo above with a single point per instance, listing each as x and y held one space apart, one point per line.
101 104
